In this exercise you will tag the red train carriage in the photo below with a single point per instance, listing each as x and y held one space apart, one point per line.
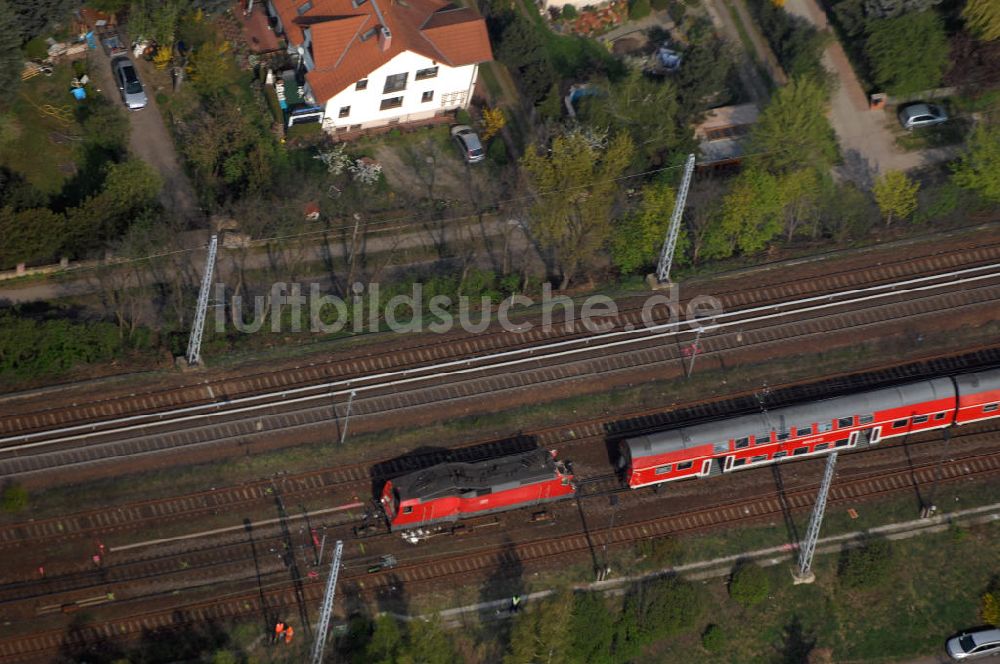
452 491
783 433
978 396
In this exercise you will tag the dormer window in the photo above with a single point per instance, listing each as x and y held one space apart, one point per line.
304 7
358 3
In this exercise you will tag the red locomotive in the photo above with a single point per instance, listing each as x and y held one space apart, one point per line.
451 491
807 429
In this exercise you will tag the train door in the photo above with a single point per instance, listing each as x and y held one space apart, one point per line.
729 463
712 467
866 437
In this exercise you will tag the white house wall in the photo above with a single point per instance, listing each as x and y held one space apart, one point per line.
452 88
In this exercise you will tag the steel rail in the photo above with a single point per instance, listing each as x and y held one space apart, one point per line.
461 367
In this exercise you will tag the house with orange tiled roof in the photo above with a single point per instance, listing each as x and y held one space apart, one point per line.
371 63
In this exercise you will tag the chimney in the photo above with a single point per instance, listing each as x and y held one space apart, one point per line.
385 39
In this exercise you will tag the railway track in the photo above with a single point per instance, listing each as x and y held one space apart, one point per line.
605 357
252 602
356 478
415 351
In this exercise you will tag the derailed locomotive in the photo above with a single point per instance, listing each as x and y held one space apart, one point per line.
448 492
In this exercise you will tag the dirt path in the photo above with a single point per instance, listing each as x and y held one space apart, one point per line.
866 141
750 76
150 141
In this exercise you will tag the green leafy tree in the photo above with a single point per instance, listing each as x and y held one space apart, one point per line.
800 191
11 60
32 236
749 585
702 78
109 6
793 132
979 167
908 53
540 634
644 108
638 9
569 12
106 127
427 643
386 641
751 216
522 49
591 631
655 610
574 190
896 195
983 18
213 69
638 238
34 17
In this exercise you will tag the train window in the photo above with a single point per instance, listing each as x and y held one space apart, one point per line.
804 430
824 427
841 443
684 465
939 416
845 422
920 419
762 438
821 447
899 424
799 450
866 419
720 448
663 470
990 407
758 459
738 462
780 455
742 442
783 436
408 509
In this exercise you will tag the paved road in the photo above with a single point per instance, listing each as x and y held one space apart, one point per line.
150 141
866 142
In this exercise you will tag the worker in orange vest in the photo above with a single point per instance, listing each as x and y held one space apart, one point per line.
289 633
279 629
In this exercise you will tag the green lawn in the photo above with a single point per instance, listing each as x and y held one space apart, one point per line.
43 147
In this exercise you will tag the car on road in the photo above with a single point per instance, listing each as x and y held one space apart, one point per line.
913 116
468 143
128 83
974 644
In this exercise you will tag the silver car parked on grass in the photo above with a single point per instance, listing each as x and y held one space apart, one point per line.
975 644
128 83
917 115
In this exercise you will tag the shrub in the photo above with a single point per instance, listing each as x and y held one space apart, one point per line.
897 66
569 12
36 49
749 585
676 10
989 608
713 639
497 151
15 498
463 117
638 9
867 565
